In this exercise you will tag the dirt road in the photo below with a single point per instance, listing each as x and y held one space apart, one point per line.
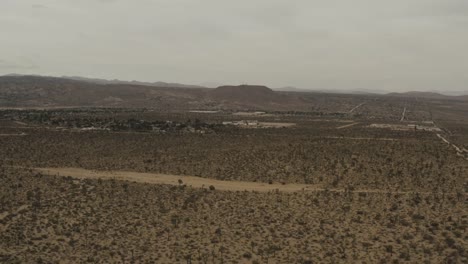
13 135
462 152
361 138
403 115
198 182
349 125
156 178
356 107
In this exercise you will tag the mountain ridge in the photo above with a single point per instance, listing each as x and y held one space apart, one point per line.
38 91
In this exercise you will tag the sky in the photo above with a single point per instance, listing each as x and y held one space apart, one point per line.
397 45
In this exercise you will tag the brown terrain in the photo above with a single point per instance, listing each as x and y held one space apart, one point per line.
36 91
123 173
255 97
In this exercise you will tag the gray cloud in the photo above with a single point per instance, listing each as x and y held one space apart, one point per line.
396 45
7 65
38 6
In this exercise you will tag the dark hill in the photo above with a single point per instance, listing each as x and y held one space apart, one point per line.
47 92
256 97
155 84
244 93
37 91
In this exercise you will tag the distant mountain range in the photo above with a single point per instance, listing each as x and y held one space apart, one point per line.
115 81
39 91
430 95
335 91
281 89
369 91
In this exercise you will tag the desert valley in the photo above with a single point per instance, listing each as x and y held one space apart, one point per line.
129 173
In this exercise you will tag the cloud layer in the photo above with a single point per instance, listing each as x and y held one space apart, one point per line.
362 44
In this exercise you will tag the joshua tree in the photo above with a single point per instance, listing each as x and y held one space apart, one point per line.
175 221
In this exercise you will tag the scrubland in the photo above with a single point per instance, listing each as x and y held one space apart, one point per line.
382 196
57 219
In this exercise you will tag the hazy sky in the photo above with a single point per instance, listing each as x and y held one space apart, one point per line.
317 44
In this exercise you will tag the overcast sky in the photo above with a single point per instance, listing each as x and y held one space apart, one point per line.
317 44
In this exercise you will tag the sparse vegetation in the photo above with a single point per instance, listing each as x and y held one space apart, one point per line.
377 195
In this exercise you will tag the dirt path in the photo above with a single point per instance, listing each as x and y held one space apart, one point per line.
356 107
198 182
156 178
349 125
460 151
20 123
403 115
361 138
13 135
275 124
24 127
